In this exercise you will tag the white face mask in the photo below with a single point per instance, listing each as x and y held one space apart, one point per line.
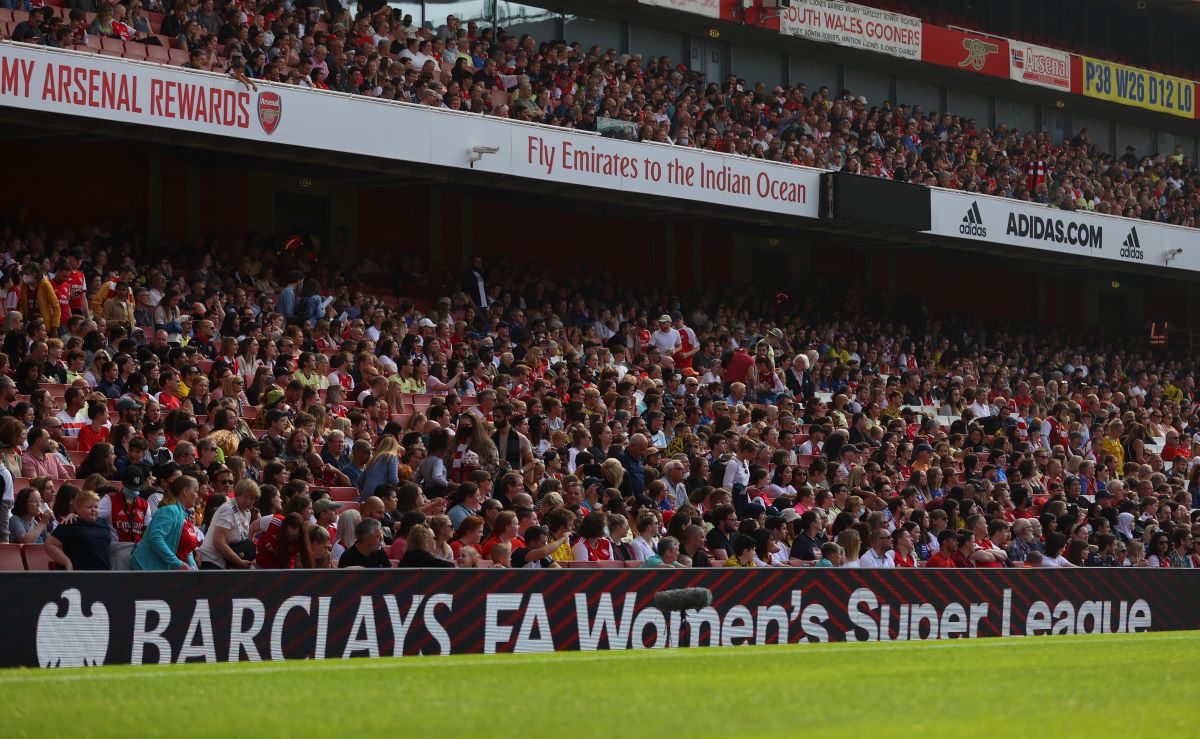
27 279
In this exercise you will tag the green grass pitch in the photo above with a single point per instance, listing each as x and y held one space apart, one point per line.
1140 685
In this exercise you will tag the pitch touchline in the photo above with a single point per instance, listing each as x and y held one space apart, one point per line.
85 674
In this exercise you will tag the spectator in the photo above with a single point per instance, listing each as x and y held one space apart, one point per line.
420 549
171 536
81 543
367 549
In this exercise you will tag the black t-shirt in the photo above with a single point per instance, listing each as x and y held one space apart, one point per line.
518 560
354 558
807 549
716 539
422 558
85 544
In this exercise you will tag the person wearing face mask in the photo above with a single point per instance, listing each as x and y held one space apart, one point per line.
157 452
127 515
38 298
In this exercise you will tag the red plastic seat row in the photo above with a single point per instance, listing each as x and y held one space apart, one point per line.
24 557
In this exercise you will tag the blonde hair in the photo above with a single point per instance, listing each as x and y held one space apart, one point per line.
171 494
421 537
850 543
84 497
388 447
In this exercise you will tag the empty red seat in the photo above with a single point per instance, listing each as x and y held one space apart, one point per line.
18 16
135 51
177 56
5 15
10 558
93 42
118 54
36 559
112 44
343 494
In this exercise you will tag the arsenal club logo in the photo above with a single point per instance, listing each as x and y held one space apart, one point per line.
977 50
270 109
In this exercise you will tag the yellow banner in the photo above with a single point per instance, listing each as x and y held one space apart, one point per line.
1140 88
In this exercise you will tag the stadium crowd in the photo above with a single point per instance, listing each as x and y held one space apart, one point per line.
465 67
169 416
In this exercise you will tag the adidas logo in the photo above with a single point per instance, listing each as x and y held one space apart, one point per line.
972 222
1131 247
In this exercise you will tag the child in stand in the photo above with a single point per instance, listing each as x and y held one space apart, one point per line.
831 555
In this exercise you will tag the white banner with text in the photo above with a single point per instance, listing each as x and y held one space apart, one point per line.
856 26
1001 221
98 87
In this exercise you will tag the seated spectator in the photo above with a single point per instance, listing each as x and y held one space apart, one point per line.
82 543
420 549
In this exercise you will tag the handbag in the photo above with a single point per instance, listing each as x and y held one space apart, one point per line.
245 549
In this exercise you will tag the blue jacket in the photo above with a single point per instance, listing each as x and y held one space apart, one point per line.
157 549
381 473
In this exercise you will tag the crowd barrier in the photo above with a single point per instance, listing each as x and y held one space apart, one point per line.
67 619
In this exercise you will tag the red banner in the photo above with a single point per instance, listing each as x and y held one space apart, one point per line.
972 52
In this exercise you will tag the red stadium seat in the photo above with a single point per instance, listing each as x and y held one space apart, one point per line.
5 15
177 56
112 44
158 54
118 54
16 16
343 494
135 51
93 42
36 559
350 506
77 456
10 558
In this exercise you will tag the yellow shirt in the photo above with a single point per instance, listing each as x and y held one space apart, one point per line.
1113 446
564 553
733 562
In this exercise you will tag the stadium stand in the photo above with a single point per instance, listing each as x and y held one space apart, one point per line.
188 411
582 432
580 85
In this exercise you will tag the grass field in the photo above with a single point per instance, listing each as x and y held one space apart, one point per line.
1054 687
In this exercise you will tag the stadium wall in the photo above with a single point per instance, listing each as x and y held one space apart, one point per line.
66 619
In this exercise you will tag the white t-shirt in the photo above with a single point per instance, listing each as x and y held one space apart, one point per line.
230 518
642 549
72 424
1059 561
666 341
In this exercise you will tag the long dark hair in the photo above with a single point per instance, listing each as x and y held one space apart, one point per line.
303 544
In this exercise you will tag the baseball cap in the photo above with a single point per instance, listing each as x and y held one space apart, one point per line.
664 318
249 443
590 481
135 477
325 504
275 415
127 403
924 448
789 515
426 323
272 396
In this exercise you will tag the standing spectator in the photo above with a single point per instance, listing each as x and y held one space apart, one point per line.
171 537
